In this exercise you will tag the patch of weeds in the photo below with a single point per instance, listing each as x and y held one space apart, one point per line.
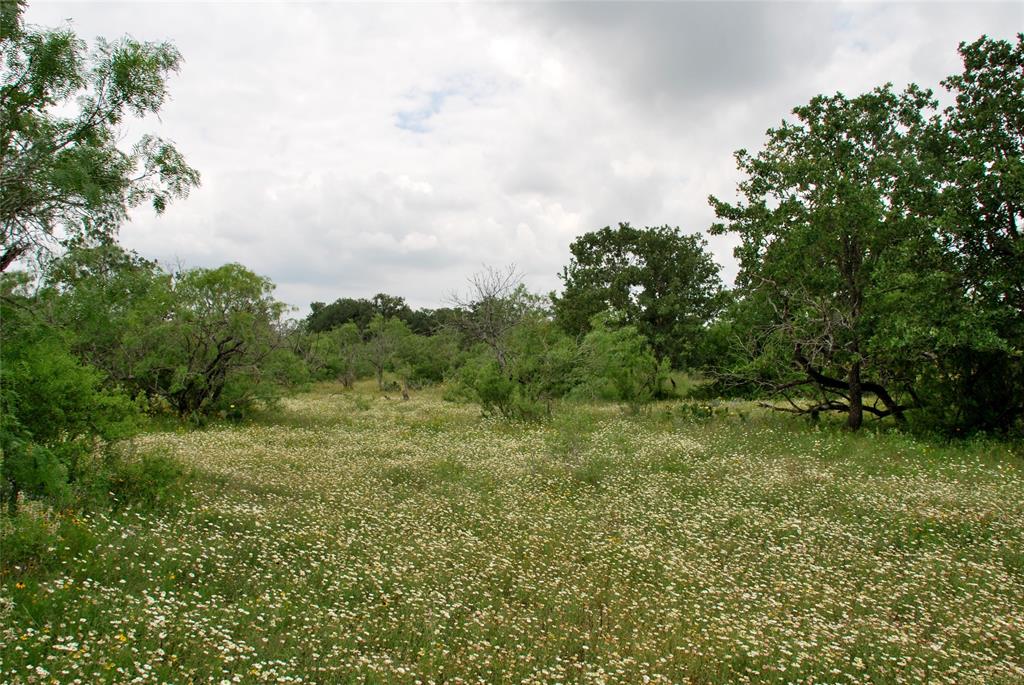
26 537
148 480
420 475
592 470
686 413
570 433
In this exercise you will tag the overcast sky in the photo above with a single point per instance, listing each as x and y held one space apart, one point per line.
349 149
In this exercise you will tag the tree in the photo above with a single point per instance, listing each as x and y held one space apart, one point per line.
348 345
831 239
343 310
616 363
54 410
112 307
384 339
982 167
496 304
218 340
64 175
540 361
391 306
657 279
976 153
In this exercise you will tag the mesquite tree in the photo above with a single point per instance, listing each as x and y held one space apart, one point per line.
64 170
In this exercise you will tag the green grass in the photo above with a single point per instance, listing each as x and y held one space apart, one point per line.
345 538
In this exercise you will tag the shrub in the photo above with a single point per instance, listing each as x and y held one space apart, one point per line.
617 364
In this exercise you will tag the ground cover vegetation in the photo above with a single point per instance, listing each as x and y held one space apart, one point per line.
349 538
513 486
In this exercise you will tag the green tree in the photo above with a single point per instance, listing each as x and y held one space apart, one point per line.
539 365
112 307
982 167
62 171
616 363
425 359
348 343
657 279
343 310
54 410
219 337
391 306
976 152
831 240
384 338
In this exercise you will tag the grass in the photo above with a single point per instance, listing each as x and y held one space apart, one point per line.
351 539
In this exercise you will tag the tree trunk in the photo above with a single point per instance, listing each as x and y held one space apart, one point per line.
380 378
10 256
856 413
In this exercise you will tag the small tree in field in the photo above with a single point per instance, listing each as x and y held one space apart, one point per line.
348 349
384 339
497 302
221 334
617 363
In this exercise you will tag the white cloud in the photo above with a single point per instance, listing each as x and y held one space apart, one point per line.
350 149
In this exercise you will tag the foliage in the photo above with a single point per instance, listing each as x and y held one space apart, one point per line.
385 337
977 153
881 254
830 241
325 317
112 306
424 359
496 304
203 340
221 332
658 280
62 110
54 410
617 364
539 369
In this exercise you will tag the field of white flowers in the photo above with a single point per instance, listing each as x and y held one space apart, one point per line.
361 540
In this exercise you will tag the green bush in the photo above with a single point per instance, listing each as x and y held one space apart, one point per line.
26 539
617 364
54 412
148 480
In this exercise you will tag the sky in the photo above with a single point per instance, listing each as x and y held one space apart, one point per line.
348 149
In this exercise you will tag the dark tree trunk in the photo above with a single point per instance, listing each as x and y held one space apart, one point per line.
855 417
10 256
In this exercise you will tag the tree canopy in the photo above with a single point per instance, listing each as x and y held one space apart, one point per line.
63 172
657 279
880 255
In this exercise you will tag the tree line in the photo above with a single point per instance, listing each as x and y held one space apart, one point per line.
880 252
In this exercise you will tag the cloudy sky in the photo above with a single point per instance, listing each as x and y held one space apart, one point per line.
349 149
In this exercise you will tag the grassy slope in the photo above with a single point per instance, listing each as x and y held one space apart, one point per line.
365 540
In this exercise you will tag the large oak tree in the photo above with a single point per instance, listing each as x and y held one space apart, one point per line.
831 237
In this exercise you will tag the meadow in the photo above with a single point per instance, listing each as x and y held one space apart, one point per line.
348 538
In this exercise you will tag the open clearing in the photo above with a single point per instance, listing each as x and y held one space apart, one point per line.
371 541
